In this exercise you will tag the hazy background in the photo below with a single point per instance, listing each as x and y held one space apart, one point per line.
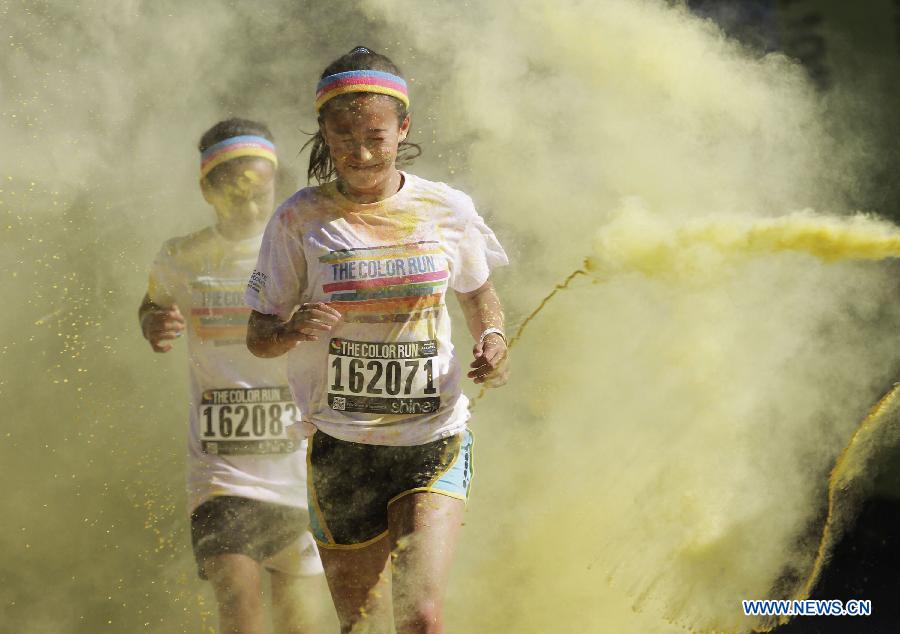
665 439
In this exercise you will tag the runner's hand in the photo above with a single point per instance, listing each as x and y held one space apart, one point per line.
162 324
308 322
489 366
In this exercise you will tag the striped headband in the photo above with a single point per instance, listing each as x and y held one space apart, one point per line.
235 147
361 81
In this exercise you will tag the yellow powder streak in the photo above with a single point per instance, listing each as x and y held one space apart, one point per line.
638 242
521 329
841 474
829 239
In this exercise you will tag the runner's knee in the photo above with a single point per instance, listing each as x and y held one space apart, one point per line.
421 616
234 578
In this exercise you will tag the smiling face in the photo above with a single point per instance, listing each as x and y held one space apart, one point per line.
242 191
363 132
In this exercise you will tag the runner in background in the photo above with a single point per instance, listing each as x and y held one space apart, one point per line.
351 283
246 461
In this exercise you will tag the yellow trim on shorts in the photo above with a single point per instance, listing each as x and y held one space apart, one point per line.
430 488
315 498
332 546
369 542
455 496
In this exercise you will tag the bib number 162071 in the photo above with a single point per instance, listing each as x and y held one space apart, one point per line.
382 377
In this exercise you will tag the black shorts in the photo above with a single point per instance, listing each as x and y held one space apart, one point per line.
234 525
351 485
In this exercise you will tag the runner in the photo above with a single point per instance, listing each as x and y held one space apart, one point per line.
246 461
351 282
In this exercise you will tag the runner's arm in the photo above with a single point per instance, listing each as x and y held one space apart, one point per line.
160 323
268 336
483 311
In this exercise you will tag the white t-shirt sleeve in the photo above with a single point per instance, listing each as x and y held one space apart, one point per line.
165 279
478 252
279 278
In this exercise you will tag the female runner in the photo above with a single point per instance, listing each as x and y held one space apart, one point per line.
351 284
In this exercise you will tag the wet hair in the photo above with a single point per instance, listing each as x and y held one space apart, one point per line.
321 167
231 128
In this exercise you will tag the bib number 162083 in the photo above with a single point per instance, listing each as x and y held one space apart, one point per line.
247 421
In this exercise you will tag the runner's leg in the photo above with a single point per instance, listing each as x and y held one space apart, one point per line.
424 528
359 582
300 605
237 581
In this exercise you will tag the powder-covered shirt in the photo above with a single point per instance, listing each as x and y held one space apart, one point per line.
244 438
387 374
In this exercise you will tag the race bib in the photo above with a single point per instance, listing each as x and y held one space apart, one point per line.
383 378
247 420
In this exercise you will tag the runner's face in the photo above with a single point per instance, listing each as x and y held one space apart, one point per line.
363 133
243 194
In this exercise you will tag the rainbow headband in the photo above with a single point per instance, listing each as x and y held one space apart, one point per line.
235 147
361 81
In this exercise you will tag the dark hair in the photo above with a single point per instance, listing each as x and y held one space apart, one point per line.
231 128
321 167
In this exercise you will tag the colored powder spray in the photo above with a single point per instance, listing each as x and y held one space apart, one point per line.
666 439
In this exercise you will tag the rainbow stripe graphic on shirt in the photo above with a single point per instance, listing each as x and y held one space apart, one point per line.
395 283
218 311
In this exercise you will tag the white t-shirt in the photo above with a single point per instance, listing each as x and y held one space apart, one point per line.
387 374
244 437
